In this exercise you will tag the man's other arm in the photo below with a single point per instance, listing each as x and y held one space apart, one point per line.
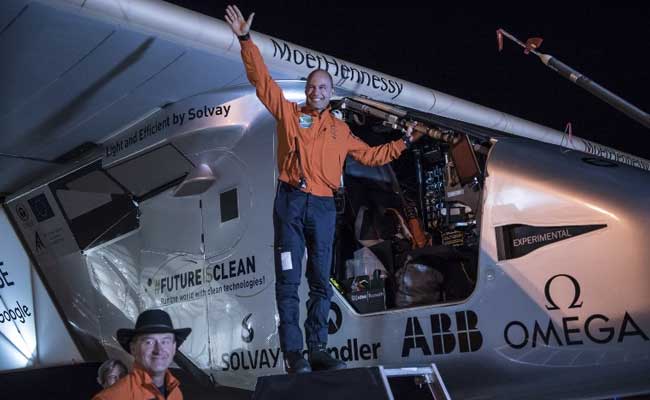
376 155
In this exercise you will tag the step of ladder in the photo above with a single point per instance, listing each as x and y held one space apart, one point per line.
354 384
423 375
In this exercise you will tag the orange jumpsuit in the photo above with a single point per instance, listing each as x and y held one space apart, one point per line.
322 146
138 385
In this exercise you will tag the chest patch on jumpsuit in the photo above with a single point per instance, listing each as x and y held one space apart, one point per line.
305 120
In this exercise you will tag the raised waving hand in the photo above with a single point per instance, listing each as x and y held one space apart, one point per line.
238 24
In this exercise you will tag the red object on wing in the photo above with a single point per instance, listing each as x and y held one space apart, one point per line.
533 44
500 39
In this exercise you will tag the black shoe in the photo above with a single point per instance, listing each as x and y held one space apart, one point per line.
320 359
295 363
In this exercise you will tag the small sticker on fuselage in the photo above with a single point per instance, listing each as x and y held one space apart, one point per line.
305 120
286 261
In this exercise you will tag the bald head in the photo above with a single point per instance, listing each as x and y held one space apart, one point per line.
319 89
321 72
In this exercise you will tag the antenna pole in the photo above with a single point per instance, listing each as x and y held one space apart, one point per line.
579 79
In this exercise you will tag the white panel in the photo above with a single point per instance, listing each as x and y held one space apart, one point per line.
55 250
231 172
55 347
17 321
12 357
34 335
173 224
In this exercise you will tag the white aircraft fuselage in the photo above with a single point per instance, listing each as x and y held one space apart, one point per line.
545 277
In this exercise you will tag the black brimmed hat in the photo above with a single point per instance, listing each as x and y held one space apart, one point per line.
152 321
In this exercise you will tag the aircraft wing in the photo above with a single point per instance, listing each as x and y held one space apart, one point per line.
80 71
75 75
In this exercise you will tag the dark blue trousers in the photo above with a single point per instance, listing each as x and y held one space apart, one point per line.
302 220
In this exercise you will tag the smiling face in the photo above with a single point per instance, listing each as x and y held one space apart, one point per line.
319 90
155 352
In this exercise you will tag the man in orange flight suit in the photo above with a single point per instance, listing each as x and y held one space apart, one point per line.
153 344
312 146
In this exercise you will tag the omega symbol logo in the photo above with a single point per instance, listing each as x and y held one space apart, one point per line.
247 332
576 293
571 330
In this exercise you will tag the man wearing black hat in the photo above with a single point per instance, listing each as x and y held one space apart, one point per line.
153 345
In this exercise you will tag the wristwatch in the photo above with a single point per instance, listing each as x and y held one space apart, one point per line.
407 140
244 37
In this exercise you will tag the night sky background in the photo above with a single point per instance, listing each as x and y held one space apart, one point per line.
453 49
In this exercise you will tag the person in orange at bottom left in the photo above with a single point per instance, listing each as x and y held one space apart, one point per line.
152 344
